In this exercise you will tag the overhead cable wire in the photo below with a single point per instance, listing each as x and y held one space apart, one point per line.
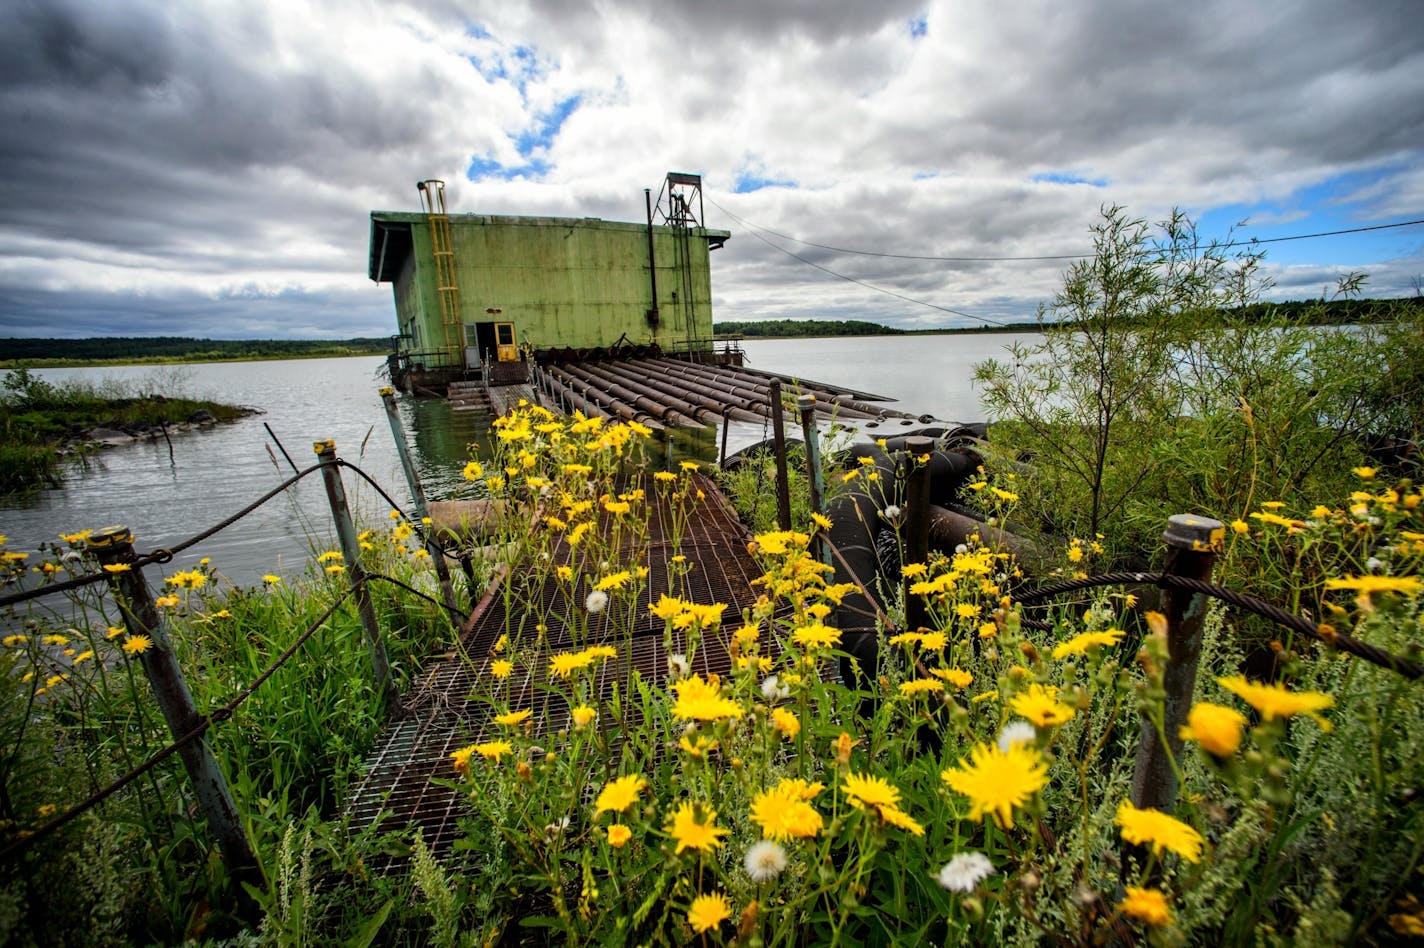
1067 256
850 279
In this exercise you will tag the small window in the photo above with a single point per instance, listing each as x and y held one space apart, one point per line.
504 334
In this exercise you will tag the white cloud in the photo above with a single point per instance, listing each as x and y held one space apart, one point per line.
180 149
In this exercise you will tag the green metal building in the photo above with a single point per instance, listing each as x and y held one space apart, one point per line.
476 290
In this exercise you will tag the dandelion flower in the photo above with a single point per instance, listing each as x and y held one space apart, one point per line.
494 750
614 580
821 520
618 835
1041 706
461 759
921 686
1081 643
783 812
692 833
1156 829
15 640
271 579
785 722
708 911
816 635
583 716
764 861
866 791
137 644
1215 728
565 664
699 700
1146 905
1275 701
964 872
116 567
335 568
501 668
514 718
996 781
957 677
330 556
619 794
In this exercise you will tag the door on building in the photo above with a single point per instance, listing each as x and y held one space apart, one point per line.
479 344
506 349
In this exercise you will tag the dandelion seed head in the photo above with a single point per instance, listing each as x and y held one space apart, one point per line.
964 872
764 861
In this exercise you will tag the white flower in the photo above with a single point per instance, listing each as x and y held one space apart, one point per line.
961 548
772 688
964 872
1016 732
677 665
764 861
596 602
1374 564
891 513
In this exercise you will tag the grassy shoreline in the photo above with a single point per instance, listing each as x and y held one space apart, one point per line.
45 424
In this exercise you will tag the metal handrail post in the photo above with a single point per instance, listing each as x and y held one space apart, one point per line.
417 493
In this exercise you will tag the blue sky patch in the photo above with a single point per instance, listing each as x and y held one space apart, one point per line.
919 26
747 182
481 167
546 126
1067 177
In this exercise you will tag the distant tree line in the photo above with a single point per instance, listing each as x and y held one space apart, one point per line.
804 327
182 349
1336 312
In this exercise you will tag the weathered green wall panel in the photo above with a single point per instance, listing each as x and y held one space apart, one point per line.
580 283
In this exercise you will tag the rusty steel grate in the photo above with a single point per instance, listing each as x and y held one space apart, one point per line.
400 788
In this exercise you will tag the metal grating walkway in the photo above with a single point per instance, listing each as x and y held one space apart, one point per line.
439 716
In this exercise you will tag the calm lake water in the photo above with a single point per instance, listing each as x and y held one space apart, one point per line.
212 474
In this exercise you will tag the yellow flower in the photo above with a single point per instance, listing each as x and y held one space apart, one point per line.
1216 729
966 610
271 579
14 640
1160 831
1146 905
1041 706
699 700
330 556
565 664
692 833
1365 473
690 465
708 911
514 718
494 750
933 641
1081 643
461 759
1409 586
785 722
843 744
1274 701
870 791
920 686
899 818
816 635
665 476
335 568
474 471
116 567
618 835
137 644
997 781
821 521
614 580
501 668
583 716
783 812
957 677
84 656
619 794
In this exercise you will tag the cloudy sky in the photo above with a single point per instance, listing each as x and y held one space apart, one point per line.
208 168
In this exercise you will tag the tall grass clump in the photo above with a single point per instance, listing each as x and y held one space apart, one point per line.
78 712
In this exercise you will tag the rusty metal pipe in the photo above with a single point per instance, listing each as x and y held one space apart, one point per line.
707 397
706 407
615 405
828 403
674 410
646 399
571 396
651 413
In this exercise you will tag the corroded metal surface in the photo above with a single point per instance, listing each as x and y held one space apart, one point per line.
402 784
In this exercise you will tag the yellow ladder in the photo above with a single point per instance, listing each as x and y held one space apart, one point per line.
432 196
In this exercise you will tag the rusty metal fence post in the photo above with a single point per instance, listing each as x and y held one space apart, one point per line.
417 493
113 547
351 552
917 522
778 436
1192 545
806 405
